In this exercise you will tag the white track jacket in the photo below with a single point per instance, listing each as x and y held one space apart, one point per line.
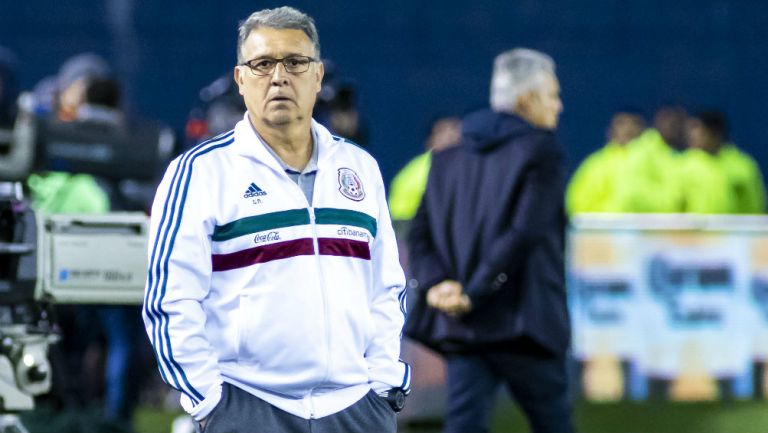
300 304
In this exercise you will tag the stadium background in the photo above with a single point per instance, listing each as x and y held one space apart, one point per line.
413 61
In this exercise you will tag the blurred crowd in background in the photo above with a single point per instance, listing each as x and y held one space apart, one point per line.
674 162
680 163
677 163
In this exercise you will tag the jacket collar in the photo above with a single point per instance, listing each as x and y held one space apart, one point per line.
486 129
250 145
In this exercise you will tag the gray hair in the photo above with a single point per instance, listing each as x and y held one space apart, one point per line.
284 17
516 72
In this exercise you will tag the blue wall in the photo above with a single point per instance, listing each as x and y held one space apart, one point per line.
415 60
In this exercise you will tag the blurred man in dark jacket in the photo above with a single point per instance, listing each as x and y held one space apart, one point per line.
487 254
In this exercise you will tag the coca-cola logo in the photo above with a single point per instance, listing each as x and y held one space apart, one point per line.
266 237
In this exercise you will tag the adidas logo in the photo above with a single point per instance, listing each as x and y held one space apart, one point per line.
253 191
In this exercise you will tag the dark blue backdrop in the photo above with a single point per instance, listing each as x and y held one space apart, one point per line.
414 60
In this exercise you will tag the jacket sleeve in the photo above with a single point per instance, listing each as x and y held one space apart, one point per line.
425 267
178 280
539 207
385 369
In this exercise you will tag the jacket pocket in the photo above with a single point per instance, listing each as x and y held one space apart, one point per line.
280 329
205 425
248 338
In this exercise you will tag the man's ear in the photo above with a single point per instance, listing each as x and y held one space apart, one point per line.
523 102
527 106
237 75
320 74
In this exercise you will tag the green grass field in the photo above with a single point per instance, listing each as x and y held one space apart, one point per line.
741 417
738 417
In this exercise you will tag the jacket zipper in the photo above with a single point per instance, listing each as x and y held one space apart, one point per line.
326 323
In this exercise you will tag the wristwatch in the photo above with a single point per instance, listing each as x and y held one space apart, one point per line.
396 399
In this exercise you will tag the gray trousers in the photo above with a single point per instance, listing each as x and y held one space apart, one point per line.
241 412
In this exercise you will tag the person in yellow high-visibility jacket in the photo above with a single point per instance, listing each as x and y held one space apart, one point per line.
704 183
640 177
592 187
408 186
650 179
745 179
718 177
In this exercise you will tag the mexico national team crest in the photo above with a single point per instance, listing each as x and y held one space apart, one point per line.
350 185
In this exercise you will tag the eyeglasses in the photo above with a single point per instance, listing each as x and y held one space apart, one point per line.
266 65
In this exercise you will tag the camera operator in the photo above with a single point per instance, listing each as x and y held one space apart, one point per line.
88 98
58 191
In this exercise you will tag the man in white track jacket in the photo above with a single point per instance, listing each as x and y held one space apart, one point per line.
275 298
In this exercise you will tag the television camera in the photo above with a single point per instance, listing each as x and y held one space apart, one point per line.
65 259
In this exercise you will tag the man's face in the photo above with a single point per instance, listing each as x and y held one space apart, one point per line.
625 127
280 98
671 124
699 137
542 105
71 98
446 133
